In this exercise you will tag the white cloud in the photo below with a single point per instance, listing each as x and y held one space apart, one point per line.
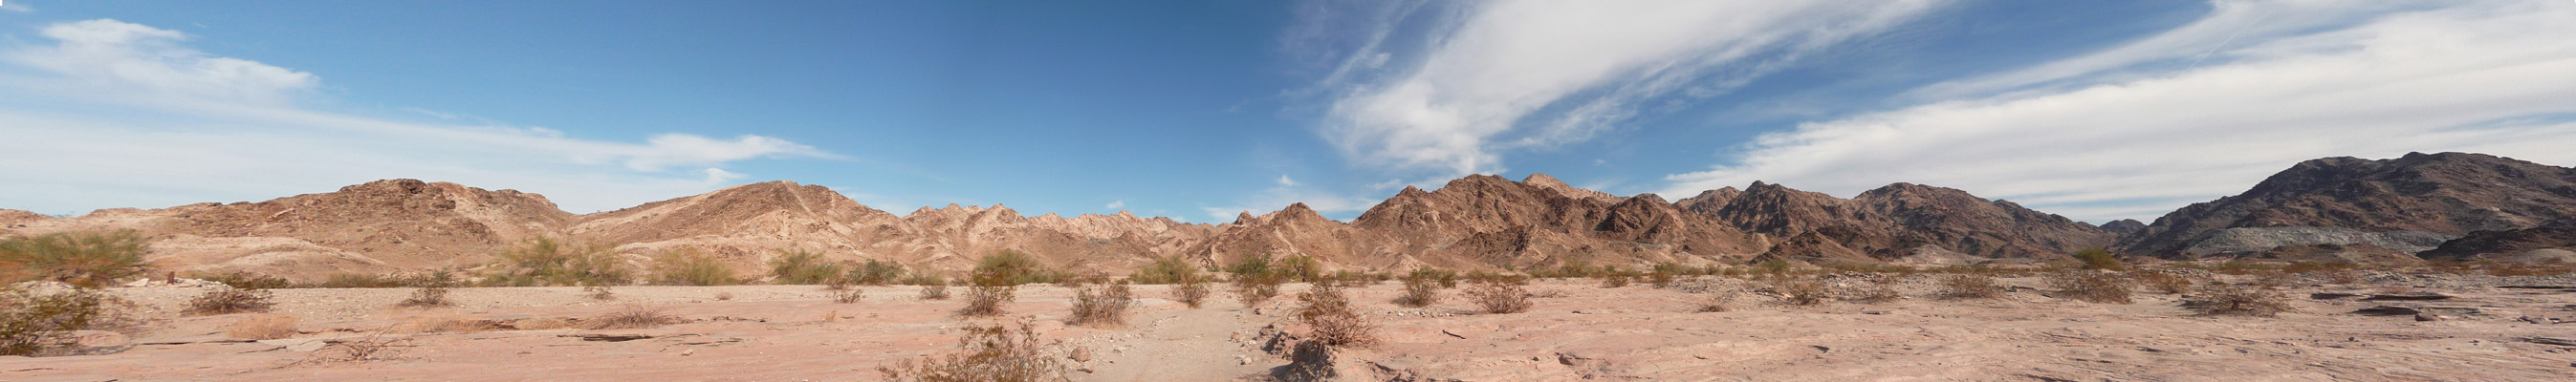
1121 203
2490 77
1285 191
1530 74
19 7
131 118
125 56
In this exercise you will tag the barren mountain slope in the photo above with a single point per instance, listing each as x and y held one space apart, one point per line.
2443 195
383 225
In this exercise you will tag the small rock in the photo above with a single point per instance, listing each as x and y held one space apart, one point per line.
2427 317
2331 296
687 352
2550 341
1243 360
1081 354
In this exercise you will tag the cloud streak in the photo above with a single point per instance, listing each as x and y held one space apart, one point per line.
2137 130
159 123
1500 76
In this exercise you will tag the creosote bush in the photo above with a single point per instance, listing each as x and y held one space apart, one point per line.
1191 291
690 266
2165 282
227 300
934 292
1012 268
633 316
802 267
876 272
1102 306
433 291
986 354
848 295
1447 278
986 300
1614 279
2091 286
1873 293
1165 270
1327 313
545 261
1419 292
85 259
2097 258
1716 302
1800 290
1499 296
598 292
2217 299
1968 286
247 280
32 322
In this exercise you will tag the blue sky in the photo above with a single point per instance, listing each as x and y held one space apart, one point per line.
1200 109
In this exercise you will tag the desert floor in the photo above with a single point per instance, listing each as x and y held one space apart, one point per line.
1576 331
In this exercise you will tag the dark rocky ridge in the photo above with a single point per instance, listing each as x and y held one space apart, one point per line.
2446 194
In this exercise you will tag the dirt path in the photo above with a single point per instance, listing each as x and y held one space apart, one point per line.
1174 343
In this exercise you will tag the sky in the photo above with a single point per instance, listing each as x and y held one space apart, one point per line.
1200 110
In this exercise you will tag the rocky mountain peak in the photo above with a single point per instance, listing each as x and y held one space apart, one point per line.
2450 194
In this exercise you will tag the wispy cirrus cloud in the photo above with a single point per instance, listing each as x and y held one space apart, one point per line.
2208 109
1451 88
121 114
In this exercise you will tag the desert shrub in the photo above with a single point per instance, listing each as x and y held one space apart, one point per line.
1499 297
1969 285
1716 302
1192 290
1419 292
1800 290
433 291
2165 282
1567 268
633 316
1102 306
1255 288
262 327
1479 276
2091 286
86 259
228 300
1250 266
1010 267
925 278
2097 258
987 353
33 321
598 292
986 300
934 292
358 280
1614 279
848 295
1873 293
545 261
1661 278
689 266
1165 270
802 267
724 296
1300 268
1447 278
2229 299
373 347
1775 267
1328 315
876 272
247 280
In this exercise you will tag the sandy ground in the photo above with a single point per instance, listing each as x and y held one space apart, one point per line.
1580 332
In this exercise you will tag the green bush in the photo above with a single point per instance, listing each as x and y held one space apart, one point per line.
802 267
358 280
1102 306
228 301
1165 270
1330 319
1011 268
689 266
2096 258
86 259
31 322
986 354
876 272
247 280
1446 278
544 261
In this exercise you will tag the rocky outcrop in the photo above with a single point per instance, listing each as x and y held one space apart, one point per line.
2124 226
2449 194
1899 220
382 225
2545 243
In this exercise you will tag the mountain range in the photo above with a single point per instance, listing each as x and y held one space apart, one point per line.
2421 206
